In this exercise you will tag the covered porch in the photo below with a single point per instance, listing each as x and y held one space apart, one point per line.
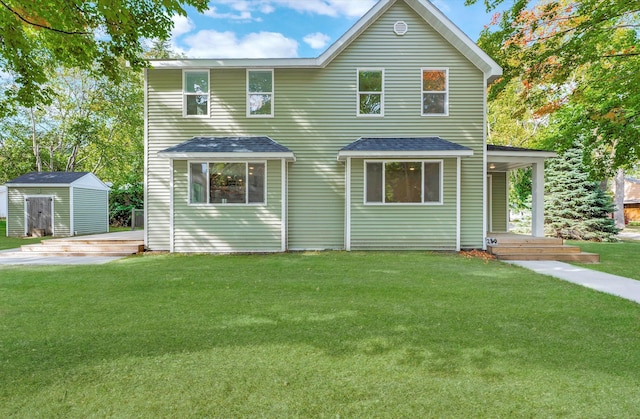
500 161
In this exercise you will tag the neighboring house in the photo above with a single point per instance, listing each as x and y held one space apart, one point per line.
58 204
631 199
379 143
3 201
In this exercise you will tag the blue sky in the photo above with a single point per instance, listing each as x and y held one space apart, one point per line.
288 28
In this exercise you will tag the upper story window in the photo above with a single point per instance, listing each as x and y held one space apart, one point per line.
260 93
195 89
370 92
435 92
227 183
403 182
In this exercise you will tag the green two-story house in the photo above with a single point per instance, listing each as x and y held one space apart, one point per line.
379 143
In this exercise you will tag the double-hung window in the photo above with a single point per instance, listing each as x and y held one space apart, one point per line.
403 182
227 183
195 88
260 93
435 92
370 92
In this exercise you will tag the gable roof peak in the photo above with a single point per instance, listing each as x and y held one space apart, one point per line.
424 8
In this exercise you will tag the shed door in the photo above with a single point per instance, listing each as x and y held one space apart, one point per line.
39 216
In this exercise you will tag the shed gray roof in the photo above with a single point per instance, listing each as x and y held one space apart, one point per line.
228 147
58 178
403 147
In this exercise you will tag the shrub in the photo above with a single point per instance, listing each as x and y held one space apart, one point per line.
122 200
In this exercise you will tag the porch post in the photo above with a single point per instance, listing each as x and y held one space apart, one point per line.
537 202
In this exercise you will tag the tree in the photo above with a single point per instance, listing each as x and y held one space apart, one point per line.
575 206
94 36
90 125
585 55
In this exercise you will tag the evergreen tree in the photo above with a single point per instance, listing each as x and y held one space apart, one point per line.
575 206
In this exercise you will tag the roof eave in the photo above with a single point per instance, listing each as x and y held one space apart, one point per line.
404 154
539 154
445 27
235 63
228 156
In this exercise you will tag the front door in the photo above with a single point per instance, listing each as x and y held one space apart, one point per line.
40 216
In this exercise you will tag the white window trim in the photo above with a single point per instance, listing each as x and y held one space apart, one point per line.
272 93
422 161
185 94
446 92
358 93
229 204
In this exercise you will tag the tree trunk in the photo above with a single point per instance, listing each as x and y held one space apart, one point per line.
34 140
618 215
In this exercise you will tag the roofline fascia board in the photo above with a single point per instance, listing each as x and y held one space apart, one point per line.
39 185
354 31
235 63
359 154
228 156
534 154
444 26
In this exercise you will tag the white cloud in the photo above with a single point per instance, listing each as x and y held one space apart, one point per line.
317 40
213 44
242 15
333 8
181 25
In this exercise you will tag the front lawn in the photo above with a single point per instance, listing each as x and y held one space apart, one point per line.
330 334
621 258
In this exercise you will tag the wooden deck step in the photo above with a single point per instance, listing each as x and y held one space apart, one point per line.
77 249
518 247
529 249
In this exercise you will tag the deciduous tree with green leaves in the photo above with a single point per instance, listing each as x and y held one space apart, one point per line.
94 36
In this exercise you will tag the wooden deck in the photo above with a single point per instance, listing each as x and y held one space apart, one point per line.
122 243
508 246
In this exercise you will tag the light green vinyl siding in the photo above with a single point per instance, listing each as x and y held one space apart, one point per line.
499 203
16 209
228 228
90 211
403 226
315 116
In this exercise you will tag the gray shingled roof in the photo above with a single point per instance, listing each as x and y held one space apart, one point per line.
228 145
59 178
404 144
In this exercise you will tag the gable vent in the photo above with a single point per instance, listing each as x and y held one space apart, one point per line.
400 28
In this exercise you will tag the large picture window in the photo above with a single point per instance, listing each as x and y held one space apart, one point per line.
403 182
435 92
227 183
260 93
370 92
196 93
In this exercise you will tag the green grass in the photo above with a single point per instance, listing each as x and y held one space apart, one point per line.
13 242
635 228
330 334
619 258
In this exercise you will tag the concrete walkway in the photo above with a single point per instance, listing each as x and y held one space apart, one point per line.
611 284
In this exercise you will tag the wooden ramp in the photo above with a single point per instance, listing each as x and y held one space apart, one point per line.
507 246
